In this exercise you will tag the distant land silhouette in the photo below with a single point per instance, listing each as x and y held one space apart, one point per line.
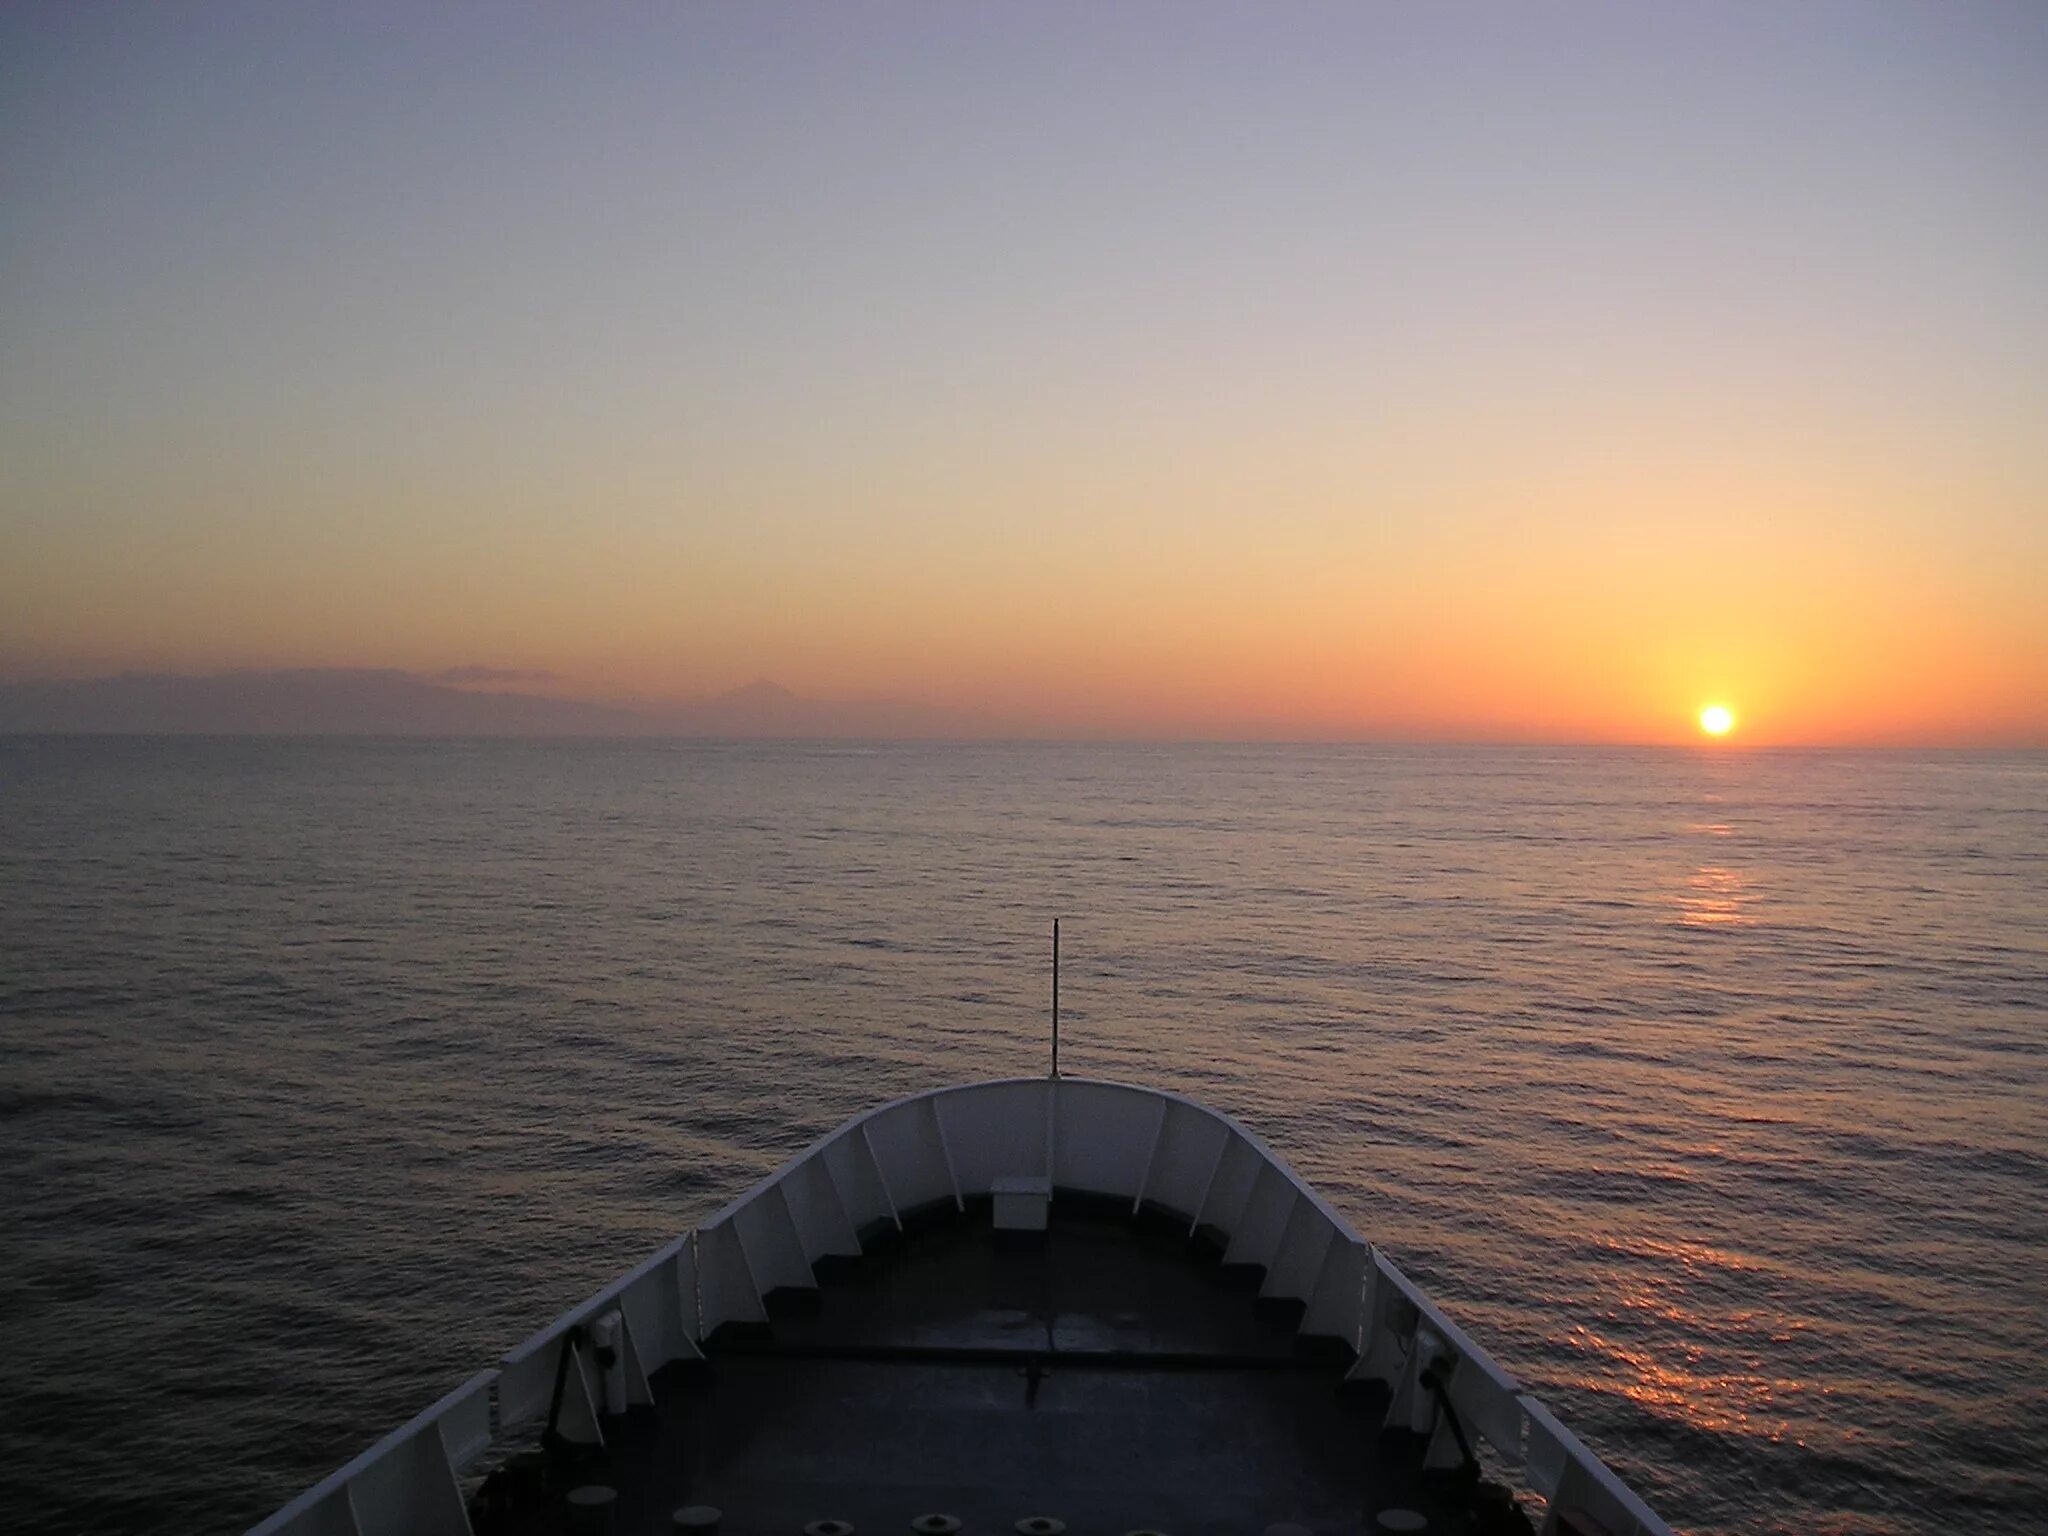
350 701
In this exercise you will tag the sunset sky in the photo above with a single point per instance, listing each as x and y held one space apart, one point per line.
1517 372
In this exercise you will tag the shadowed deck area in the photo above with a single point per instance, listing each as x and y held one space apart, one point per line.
1114 1375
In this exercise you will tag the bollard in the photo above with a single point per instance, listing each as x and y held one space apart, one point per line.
607 1336
590 1509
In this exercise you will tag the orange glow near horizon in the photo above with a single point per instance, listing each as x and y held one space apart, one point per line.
1132 626
1056 587
1330 430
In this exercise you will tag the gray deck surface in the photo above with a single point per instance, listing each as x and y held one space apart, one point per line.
1116 1377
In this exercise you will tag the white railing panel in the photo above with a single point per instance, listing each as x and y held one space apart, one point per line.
1297 1259
659 1301
404 1483
526 1380
410 1490
1231 1190
1188 1146
775 1254
1336 1309
995 1131
526 1387
822 1225
324 1511
1102 1136
1571 1477
905 1140
1432 1318
1383 1339
1152 1141
726 1292
1256 1236
1489 1402
856 1180
1546 1451
465 1427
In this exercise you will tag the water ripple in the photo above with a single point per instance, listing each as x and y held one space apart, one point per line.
1707 1089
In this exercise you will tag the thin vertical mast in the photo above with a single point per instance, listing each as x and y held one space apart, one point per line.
1055 997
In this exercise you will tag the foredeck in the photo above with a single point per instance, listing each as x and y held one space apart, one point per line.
1113 1375
1198 1343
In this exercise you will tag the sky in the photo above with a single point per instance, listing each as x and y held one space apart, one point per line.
1516 372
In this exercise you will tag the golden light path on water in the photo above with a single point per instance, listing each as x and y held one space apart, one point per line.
1681 1379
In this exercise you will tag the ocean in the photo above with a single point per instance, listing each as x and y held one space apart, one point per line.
1708 1089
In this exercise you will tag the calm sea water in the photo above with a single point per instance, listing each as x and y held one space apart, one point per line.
1708 1089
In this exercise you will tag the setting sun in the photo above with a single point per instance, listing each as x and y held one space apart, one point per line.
1717 720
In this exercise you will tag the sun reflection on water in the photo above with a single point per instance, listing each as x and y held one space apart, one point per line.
1714 897
1733 1399
1707 1369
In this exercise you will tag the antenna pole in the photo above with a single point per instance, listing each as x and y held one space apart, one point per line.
1055 997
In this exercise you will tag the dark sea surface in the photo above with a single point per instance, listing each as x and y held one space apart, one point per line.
1707 1089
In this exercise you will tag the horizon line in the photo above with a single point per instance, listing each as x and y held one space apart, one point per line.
817 718
1706 747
